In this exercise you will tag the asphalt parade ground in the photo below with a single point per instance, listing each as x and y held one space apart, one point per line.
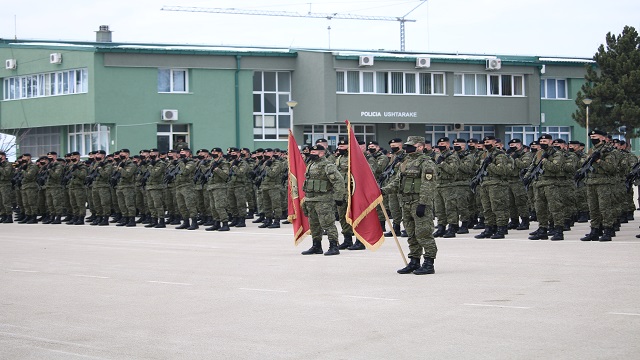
87 292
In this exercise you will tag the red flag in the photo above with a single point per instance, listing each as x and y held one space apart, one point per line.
364 196
295 194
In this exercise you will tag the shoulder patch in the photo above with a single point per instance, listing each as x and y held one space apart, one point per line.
428 176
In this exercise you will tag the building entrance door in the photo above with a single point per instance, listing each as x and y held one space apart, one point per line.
170 134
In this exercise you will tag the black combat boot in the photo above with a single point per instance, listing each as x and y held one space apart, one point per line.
67 219
630 216
533 216
414 264
396 229
70 221
91 218
8 219
104 221
592 236
559 234
259 219
208 221
161 223
266 223
488 231
333 248
275 224
440 230
403 233
141 219
249 215
426 268
316 248
241 223
116 218
616 225
348 241
152 223
540 234
234 222
97 220
123 221
215 226
148 219
566 226
79 220
21 216
524 224
131 222
26 218
357 246
451 232
194 224
382 225
33 220
583 217
47 219
464 228
224 226
607 235
500 233
57 220
176 220
480 224
185 224
513 224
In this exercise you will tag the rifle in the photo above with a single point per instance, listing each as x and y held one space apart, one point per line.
88 181
389 171
43 176
66 177
633 175
480 174
145 178
533 176
260 177
586 168
209 173
115 179
172 174
197 177
16 181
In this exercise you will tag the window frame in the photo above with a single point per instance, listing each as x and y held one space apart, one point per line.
461 77
543 88
392 81
47 84
171 81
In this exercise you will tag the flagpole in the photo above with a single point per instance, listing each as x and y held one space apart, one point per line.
384 211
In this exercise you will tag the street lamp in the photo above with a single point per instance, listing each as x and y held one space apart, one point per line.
291 104
587 102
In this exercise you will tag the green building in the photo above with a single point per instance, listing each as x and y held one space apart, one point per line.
84 96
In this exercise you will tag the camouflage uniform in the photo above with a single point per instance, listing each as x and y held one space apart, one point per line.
101 190
378 162
216 186
185 192
155 188
55 200
6 174
600 191
125 189
447 195
518 200
548 190
342 164
77 192
271 186
237 190
494 197
29 190
466 198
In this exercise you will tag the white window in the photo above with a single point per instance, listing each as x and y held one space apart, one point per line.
86 138
39 140
333 133
530 133
435 132
389 82
483 84
553 89
173 81
46 84
271 114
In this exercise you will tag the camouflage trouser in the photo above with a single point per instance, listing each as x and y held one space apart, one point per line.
55 200
600 199
199 193
342 214
395 207
495 199
419 229
567 189
114 202
141 201
465 197
66 197
259 200
518 201
78 201
581 198
218 202
238 201
168 201
89 195
446 203
251 196
629 204
102 200
549 205
18 197
30 200
321 217
42 201
283 201
126 200
478 200
186 198
271 203
208 199
156 202
5 199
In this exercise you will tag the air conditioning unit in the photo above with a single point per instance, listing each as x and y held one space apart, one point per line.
366 60
55 58
400 126
169 115
10 64
423 62
494 64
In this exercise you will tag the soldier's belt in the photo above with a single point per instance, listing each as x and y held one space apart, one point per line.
410 197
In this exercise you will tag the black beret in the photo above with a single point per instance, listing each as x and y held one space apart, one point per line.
459 140
318 147
75 153
233 149
163 153
559 141
545 136
186 149
52 153
259 150
361 142
427 141
216 149
277 150
598 132
101 152
489 137
153 150
3 153
443 139
145 150
372 142
25 154
343 142
172 151
136 156
321 140
574 142
125 151
515 141
582 144
268 150
472 141
395 140
498 140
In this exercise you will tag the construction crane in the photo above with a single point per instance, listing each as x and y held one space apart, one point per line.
337 16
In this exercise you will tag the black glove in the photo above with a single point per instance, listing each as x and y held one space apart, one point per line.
175 162
420 210
153 162
121 164
268 163
545 155
339 202
235 162
596 155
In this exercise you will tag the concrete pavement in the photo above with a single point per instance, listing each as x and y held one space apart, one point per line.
86 292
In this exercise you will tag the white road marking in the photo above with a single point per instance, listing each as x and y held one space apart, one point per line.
369 298
72 354
24 271
90 276
170 283
499 306
46 340
265 290
617 313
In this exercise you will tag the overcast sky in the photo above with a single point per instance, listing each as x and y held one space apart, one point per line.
513 27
